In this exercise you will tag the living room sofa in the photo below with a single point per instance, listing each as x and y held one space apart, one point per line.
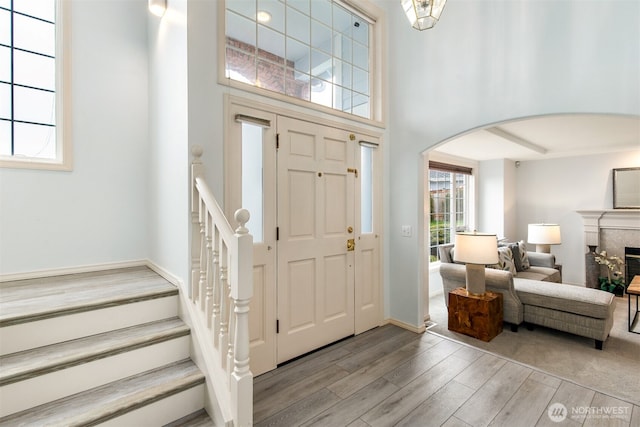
542 300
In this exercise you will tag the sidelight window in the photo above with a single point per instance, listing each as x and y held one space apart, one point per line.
252 178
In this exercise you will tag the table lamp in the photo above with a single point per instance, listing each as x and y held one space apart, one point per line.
476 250
543 236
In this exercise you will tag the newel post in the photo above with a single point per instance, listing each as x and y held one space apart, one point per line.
242 379
196 171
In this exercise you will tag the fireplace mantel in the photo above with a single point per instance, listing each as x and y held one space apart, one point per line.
595 220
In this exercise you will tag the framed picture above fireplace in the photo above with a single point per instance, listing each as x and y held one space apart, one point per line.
626 188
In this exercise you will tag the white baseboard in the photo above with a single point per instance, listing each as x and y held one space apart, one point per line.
417 329
72 270
170 277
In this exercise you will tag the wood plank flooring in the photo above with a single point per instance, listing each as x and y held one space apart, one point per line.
392 377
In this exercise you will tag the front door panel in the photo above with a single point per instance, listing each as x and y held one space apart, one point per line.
315 209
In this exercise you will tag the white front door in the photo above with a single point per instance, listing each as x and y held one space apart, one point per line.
308 199
316 220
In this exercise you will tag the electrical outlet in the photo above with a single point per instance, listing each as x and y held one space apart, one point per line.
406 231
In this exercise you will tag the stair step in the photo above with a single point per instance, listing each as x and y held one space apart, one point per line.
36 299
114 399
196 419
40 361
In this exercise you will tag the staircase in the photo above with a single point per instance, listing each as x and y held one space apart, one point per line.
97 348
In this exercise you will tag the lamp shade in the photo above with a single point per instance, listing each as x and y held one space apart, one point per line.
476 248
423 14
544 234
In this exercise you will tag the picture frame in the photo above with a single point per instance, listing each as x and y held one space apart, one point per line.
626 188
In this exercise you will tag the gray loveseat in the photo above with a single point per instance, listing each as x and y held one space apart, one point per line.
540 301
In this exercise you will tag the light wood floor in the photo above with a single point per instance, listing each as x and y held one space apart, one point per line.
389 376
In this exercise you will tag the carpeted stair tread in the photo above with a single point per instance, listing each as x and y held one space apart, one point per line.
39 361
113 399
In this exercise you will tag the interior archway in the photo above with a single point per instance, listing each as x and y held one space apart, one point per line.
528 139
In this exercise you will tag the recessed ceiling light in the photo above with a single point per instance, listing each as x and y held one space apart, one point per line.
263 16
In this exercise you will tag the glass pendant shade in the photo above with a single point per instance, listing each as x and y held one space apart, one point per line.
423 14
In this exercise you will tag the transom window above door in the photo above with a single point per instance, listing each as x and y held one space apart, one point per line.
312 50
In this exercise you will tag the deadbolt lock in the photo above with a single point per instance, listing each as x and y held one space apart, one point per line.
351 245
349 229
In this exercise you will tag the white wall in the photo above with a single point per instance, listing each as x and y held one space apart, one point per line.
169 136
486 62
553 190
96 213
496 198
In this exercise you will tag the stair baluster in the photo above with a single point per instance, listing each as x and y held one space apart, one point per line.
224 259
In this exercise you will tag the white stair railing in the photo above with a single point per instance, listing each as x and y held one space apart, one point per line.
221 289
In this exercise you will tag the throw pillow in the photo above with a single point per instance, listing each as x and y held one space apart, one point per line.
517 259
505 260
522 248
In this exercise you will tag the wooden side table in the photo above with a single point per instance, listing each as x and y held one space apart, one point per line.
479 316
633 289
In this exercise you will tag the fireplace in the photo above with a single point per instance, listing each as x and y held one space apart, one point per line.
631 264
616 231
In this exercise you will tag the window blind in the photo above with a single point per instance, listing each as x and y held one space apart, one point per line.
446 167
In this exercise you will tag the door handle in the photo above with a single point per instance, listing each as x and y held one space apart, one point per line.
351 245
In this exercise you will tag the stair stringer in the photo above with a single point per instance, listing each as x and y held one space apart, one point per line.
203 354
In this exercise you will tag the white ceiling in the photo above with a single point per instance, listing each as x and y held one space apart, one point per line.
547 137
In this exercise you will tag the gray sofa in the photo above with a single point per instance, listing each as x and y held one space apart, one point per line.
541 301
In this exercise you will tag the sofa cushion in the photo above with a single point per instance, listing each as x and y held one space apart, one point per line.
544 274
568 298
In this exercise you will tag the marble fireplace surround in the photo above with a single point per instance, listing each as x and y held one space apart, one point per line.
611 230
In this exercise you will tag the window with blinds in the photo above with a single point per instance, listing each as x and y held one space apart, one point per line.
449 203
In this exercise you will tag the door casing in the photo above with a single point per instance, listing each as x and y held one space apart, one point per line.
366 258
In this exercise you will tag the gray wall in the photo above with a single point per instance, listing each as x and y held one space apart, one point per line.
553 190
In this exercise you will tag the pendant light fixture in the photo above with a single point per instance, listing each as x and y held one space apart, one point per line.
423 14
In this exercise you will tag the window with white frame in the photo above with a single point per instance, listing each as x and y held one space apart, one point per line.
30 83
313 50
449 203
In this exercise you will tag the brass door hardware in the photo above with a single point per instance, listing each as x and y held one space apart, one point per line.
350 229
353 170
351 245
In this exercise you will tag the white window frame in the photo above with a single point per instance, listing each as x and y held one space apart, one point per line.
377 55
470 206
64 157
